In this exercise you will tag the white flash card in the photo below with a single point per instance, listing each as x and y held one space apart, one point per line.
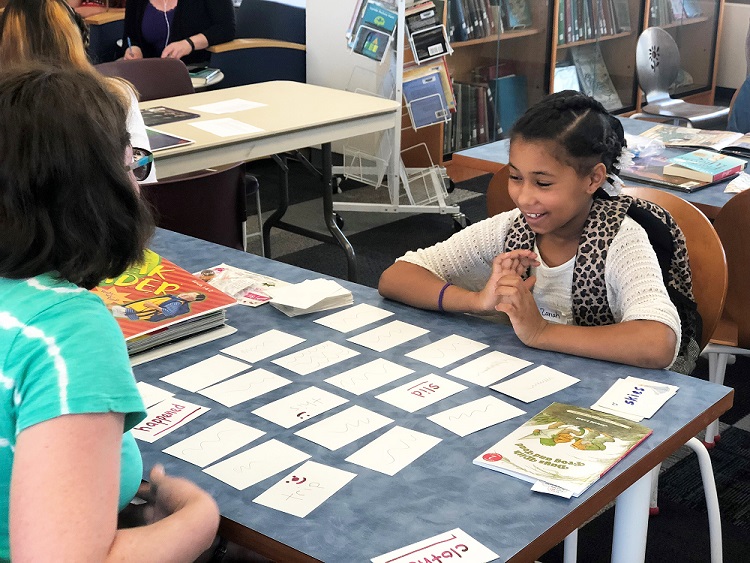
205 373
226 127
302 491
256 464
446 351
489 368
316 357
535 384
244 387
343 428
421 392
443 546
387 336
152 394
394 450
369 376
262 346
476 415
634 397
228 106
299 406
164 417
214 442
354 317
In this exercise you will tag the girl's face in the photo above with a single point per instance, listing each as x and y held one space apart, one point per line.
552 196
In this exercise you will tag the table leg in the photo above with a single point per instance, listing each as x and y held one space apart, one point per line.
631 522
351 259
275 219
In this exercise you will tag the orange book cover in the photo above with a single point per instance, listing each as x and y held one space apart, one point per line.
157 293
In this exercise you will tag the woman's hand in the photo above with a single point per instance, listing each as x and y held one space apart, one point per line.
516 300
133 52
165 495
176 50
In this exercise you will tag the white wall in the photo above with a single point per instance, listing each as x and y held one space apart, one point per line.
732 67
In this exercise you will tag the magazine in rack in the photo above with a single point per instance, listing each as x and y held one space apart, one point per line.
157 302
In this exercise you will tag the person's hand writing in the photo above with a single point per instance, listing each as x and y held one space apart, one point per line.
176 50
165 495
133 52
516 300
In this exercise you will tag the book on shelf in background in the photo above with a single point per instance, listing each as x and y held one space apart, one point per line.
594 76
581 20
664 12
426 32
510 97
475 120
477 19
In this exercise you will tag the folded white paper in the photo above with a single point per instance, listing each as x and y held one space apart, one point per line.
309 296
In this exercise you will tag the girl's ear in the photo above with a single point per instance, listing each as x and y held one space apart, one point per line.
596 178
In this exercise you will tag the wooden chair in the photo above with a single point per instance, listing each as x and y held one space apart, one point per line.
709 268
498 199
154 78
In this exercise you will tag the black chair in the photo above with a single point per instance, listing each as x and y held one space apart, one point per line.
154 78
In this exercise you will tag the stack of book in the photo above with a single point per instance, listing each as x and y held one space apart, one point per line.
705 166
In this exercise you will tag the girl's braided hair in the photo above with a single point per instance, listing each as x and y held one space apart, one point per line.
584 131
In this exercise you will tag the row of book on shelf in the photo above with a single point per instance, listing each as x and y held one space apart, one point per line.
663 12
579 20
477 19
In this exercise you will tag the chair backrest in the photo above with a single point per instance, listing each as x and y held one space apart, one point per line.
154 78
657 62
708 264
268 19
210 205
498 199
731 224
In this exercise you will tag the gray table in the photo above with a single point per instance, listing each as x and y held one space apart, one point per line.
442 490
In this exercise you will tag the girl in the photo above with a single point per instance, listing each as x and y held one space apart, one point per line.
563 159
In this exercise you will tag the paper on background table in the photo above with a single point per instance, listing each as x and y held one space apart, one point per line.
151 394
297 407
421 392
354 317
475 415
344 427
535 384
228 106
214 442
447 350
205 373
226 127
387 336
302 491
369 376
263 346
394 450
164 417
316 357
489 368
256 464
244 387
456 542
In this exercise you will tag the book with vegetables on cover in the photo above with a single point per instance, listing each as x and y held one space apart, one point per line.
566 446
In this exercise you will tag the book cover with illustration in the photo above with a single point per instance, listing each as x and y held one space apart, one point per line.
156 295
564 445
705 165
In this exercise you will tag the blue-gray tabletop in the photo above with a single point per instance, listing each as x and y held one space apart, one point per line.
374 513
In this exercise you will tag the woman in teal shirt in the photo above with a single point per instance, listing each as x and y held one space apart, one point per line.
70 216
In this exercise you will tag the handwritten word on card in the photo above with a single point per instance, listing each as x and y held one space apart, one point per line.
316 357
387 336
369 376
262 346
152 394
421 392
343 428
256 464
300 406
354 317
444 546
394 450
446 351
489 368
301 492
164 417
535 384
476 415
244 387
214 442
205 373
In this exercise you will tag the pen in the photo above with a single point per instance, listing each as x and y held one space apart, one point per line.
130 47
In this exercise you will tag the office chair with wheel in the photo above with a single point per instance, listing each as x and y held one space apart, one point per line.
657 60
153 78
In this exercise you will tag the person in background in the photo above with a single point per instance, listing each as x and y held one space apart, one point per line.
51 31
177 29
71 215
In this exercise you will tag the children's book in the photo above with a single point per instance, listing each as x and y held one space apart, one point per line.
161 114
650 170
425 100
594 76
565 446
704 165
728 142
156 302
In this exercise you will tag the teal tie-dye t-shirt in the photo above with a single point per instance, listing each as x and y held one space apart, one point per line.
61 352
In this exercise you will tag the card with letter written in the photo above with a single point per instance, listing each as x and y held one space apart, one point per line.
244 387
344 427
369 376
256 464
302 491
443 546
164 417
387 336
205 373
316 357
476 415
262 346
214 442
354 317
447 350
635 398
421 392
299 406
394 450
489 368
535 384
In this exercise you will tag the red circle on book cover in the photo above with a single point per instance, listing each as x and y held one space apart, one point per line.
492 457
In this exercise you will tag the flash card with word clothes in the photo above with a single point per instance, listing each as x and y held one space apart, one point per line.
443 546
